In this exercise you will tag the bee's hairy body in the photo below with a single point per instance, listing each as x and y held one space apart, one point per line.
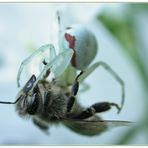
47 102
54 104
51 108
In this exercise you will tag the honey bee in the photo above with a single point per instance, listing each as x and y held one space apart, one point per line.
55 101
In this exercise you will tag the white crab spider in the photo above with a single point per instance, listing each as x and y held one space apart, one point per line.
78 47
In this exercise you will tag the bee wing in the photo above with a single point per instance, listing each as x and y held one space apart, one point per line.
93 127
58 64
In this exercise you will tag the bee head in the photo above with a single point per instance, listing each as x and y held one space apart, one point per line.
28 103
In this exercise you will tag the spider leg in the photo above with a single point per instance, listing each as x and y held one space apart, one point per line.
58 65
60 27
59 19
111 71
43 48
85 87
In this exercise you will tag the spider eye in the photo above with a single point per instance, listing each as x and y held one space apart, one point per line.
33 104
29 84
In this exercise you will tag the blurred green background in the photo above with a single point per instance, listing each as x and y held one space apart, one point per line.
122 32
128 26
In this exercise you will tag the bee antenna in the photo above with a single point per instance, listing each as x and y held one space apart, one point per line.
3 102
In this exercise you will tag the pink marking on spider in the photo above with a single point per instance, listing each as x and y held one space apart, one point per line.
71 40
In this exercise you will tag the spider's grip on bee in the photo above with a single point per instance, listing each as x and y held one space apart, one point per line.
75 86
51 101
74 91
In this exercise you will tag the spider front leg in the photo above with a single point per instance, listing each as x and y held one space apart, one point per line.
57 65
111 71
43 48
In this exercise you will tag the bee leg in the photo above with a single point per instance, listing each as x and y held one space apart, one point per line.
70 103
43 48
75 86
47 72
96 108
74 91
41 125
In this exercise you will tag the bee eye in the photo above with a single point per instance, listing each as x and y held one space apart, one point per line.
33 104
29 84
